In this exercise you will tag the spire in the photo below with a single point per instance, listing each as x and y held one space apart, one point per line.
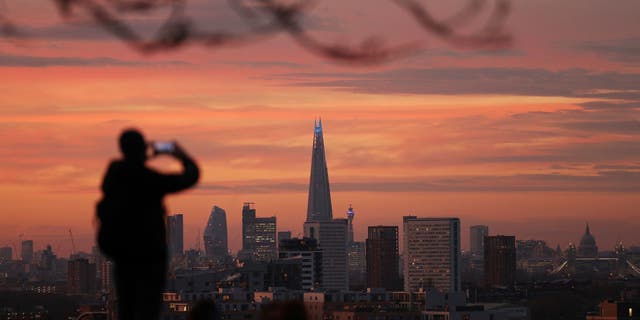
319 205
587 230
350 212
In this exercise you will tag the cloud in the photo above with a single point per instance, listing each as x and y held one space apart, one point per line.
494 81
472 53
603 181
622 126
618 50
8 60
617 167
610 106
589 152
266 64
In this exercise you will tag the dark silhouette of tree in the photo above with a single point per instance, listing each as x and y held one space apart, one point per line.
268 17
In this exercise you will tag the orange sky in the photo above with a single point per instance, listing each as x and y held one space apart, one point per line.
533 140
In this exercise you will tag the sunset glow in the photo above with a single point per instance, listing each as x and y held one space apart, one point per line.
532 140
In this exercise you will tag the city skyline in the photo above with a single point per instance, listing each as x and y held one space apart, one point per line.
318 157
547 140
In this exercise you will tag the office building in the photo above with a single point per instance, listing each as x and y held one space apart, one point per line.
383 258
476 238
258 236
47 259
106 276
283 235
6 254
533 249
500 261
175 235
27 251
215 235
432 253
265 239
332 239
331 234
248 234
283 274
305 250
357 265
81 277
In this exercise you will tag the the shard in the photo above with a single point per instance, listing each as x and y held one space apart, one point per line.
330 233
319 205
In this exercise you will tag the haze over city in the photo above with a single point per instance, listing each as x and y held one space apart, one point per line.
534 140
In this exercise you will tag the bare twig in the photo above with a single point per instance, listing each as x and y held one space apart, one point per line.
492 35
267 17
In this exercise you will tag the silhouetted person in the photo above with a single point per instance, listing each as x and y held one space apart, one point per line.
204 310
132 218
287 310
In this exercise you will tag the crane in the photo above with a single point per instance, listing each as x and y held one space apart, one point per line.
198 240
73 244
20 244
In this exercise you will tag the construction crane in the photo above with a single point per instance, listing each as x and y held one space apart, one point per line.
20 244
73 244
198 240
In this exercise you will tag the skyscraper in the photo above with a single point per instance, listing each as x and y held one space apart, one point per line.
47 259
258 236
106 275
6 254
332 239
319 205
27 251
432 253
248 234
306 250
215 234
357 265
81 277
382 257
264 248
330 233
476 238
500 261
175 232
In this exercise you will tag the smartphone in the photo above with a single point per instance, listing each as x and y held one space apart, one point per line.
163 147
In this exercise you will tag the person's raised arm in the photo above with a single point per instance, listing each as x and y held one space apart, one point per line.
189 176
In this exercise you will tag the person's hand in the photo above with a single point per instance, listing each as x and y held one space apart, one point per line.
178 152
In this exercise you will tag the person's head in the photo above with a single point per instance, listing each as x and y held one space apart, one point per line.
133 146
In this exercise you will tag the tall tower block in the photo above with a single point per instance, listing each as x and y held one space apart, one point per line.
319 205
